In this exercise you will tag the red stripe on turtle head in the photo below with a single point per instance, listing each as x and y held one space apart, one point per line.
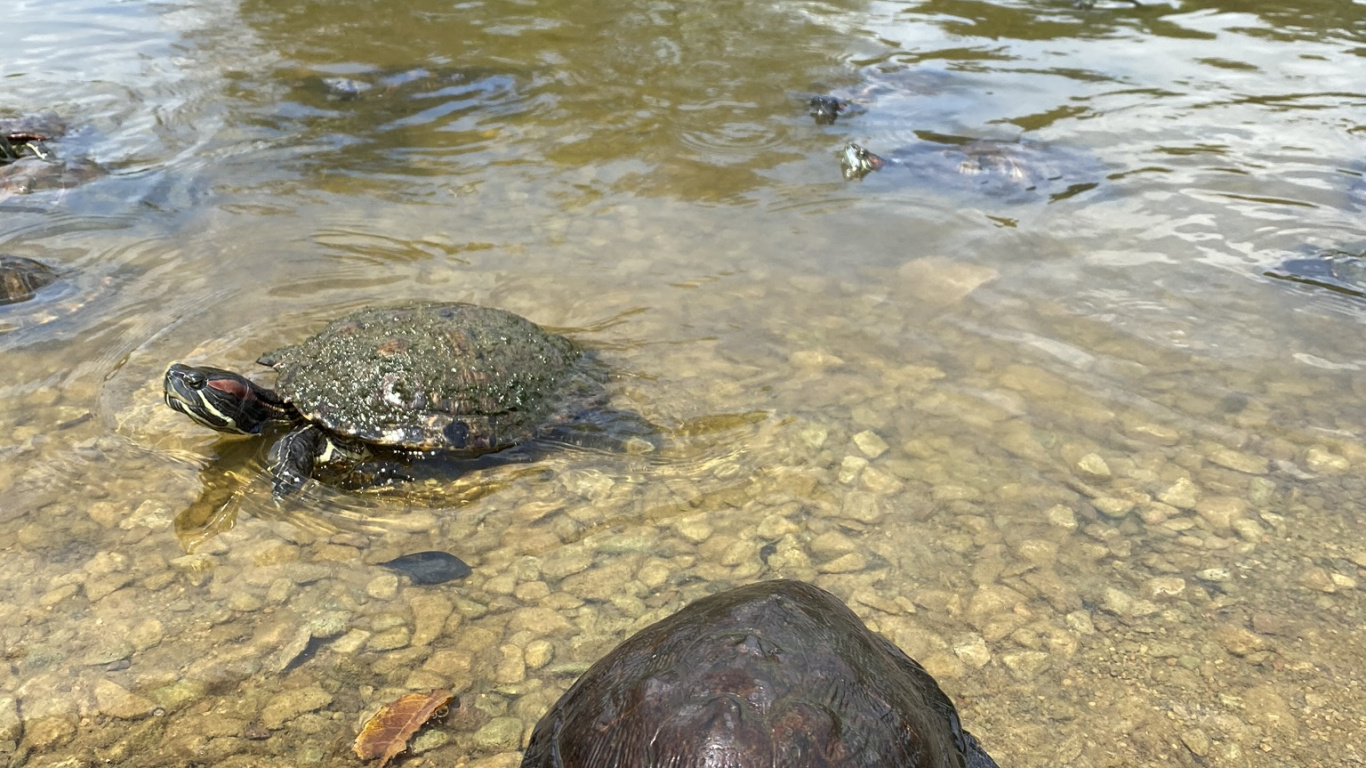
235 387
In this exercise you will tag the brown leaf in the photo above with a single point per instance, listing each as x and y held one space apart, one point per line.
387 733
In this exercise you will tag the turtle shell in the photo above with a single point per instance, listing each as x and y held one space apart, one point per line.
428 376
21 278
778 673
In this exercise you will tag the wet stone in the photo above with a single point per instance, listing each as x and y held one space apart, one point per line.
1237 640
870 443
1164 586
1197 741
512 668
389 639
47 732
1320 460
1061 517
850 469
1221 512
1182 494
383 587
430 612
538 653
1113 508
10 724
290 704
1318 579
1238 461
1093 467
849 563
861 506
115 701
972 649
1025 665
500 733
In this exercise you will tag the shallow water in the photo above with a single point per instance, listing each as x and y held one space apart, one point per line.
1083 458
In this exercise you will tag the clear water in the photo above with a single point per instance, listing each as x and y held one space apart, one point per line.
1081 456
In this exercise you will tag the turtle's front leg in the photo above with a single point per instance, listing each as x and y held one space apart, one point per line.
295 456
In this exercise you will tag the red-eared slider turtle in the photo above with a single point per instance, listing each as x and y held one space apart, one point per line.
778 673
997 168
28 165
413 379
21 278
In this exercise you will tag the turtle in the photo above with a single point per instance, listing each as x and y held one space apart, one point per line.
22 278
776 673
404 381
28 165
998 168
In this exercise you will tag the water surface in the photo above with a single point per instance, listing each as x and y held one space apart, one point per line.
1083 457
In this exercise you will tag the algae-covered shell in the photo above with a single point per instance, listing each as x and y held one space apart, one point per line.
426 376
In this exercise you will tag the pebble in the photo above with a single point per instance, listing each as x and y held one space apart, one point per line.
972 649
1238 461
430 612
1221 512
1238 640
1197 741
383 587
390 639
512 668
694 529
850 468
870 443
850 563
290 704
1121 603
1112 507
832 544
1093 467
1324 462
1318 579
1025 665
114 700
1182 494
1267 708
861 506
500 733
538 653
10 724
1062 517
1164 586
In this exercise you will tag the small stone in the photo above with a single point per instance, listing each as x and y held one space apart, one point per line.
1318 579
832 544
500 733
1182 494
1197 741
1217 575
861 506
538 653
117 702
1062 517
1038 552
850 468
870 443
383 587
1266 707
1113 508
389 639
44 733
1025 665
1221 512
1093 467
1343 581
290 704
1238 461
653 575
849 563
1237 640
1164 586
695 529
972 649
512 669
813 436
11 727
430 612
1249 530
1120 603
1322 461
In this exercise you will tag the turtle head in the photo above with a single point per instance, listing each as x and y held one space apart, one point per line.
858 162
223 400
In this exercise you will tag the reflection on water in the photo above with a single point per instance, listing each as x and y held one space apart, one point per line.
1089 460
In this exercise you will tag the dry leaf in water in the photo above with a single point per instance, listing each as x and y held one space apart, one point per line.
387 733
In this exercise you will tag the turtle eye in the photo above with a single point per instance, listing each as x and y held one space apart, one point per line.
195 379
